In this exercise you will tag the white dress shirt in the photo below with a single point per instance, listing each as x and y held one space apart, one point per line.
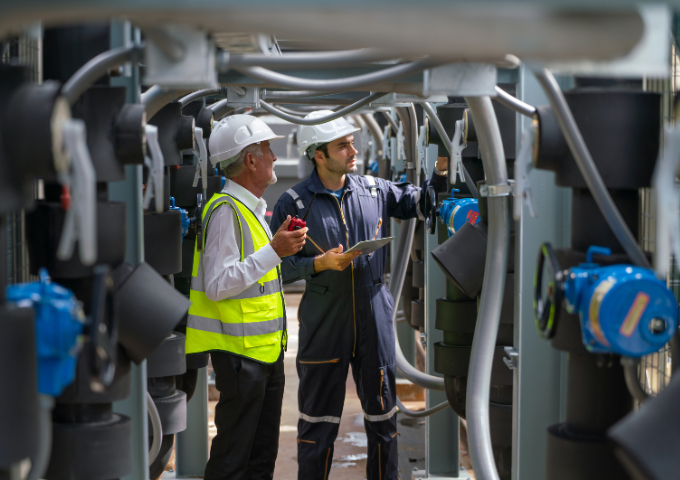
224 274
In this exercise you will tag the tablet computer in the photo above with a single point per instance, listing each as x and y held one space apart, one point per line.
370 246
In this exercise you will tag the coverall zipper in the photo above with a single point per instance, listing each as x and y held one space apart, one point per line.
382 380
305 441
354 313
334 360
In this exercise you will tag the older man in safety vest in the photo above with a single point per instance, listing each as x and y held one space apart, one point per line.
237 309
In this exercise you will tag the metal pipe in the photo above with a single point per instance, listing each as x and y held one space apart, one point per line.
630 373
396 285
337 84
157 428
374 128
391 121
285 94
41 461
202 94
98 67
587 167
488 317
318 121
447 143
157 97
422 413
513 103
304 59
409 144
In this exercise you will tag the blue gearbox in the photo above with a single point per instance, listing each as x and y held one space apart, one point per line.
184 217
455 212
59 321
623 309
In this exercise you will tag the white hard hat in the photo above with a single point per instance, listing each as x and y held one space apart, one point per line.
309 136
233 134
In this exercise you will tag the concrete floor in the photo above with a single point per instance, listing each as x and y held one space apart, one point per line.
349 462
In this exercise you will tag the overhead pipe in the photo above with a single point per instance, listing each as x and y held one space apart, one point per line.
303 59
447 143
294 94
514 103
491 301
587 167
208 92
402 252
157 97
318 121
97 68
338 84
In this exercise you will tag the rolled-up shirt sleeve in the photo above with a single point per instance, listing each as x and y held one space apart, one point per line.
225 275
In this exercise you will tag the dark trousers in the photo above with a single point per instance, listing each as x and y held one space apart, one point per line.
247 417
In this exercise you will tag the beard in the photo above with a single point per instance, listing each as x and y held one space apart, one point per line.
272 180
340 166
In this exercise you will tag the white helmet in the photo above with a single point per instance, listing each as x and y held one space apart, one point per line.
312 136
233 134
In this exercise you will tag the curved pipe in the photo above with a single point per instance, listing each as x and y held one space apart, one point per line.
514 103
157 428
396 285
349 83
302 60
283 94
630 373
488 317
374 128
98 67
202 94
40 462
422 413
318 121
587 167
157 97
393 123
297 113
447 143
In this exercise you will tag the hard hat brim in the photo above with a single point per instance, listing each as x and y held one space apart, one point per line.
228 154
304 148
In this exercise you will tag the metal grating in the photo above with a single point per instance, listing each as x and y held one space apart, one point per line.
654 371
23 50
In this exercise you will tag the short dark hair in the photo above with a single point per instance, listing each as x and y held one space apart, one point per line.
323 148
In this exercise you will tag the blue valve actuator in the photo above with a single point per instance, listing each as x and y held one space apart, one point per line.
59 321
373 166
623 309
455 212
184 215
224 182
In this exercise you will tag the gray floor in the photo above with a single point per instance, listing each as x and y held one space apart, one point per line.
411 445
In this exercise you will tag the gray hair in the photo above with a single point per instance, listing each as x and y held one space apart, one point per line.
236 168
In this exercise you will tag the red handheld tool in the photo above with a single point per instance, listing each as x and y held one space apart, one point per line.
296 223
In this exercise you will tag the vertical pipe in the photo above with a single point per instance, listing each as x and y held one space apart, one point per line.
3 258
484 342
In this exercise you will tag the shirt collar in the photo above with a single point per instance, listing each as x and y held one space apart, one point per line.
316 186
245 196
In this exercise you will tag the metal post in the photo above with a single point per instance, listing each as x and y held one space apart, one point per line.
441 429
538 386
129 191
191 447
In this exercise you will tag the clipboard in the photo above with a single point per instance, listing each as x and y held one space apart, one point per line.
370 246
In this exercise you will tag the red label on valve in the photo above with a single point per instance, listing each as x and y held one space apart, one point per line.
65 197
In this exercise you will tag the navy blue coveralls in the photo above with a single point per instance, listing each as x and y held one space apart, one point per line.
346 318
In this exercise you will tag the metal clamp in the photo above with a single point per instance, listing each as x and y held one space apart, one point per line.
497 190
512 358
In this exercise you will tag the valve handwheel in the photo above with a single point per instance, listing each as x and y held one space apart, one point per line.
431 210
546 308
103 330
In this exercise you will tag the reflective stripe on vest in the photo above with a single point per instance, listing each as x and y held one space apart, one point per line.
251 323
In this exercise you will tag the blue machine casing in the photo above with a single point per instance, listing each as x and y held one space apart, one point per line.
457 211
623 309
59 321
186 221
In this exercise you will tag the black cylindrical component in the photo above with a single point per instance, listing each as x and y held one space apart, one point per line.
129 134
163 241
19 430
204 120
175 132
597 396
44 227
417 313
28 127
588 225
169 358
182 189
550 146
99 107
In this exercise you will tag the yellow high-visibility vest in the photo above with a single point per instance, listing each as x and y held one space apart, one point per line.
251 324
